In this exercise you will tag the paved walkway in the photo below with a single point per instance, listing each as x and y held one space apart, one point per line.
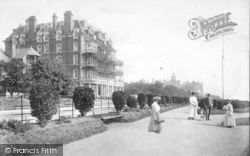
180 137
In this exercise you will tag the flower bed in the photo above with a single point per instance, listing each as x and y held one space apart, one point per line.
55 133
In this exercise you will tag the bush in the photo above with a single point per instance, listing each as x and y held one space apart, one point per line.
240 104
163 100
142 100
43 100
119 100
150 99
15 125
84 99
132 102
48 81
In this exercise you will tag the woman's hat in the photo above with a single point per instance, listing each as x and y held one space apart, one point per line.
157 98
193 93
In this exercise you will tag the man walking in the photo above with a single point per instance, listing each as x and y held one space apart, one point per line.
208 106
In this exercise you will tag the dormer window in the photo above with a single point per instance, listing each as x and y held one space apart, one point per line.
42 27
75 46
75 36
59 47
39 49
22 39
48 26
46 48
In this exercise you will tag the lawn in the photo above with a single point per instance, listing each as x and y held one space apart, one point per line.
242 121
222 111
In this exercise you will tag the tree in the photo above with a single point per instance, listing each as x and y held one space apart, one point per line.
13 79
142 100
49 81
84 99
119 100
131 102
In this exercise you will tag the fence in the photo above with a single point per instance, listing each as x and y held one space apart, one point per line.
19 108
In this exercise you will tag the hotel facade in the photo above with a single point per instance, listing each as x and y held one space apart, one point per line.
85 52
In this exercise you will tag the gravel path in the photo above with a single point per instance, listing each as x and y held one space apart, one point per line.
179 137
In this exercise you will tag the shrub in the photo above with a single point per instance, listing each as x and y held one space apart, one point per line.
84 99
142 100
150 99
119 100
15 125
240 104
131 102
43 100
163 100
48 81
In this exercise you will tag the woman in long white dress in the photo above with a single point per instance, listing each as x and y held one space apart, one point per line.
193 106
229 120
154 125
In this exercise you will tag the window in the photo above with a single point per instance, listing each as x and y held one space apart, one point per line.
59 47
75 36
75 73
22 39
48 26
59 58
39 37
89 73
75 59
46 48
46 37
89 60
59 35
42 27
75 46
39 49
26 28
83 73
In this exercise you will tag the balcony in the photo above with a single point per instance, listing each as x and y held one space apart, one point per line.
117 72
90 51
117 62
89 65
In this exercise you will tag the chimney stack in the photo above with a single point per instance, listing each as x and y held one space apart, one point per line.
32 25
54 21
68 22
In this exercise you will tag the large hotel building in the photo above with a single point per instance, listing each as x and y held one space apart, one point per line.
86 53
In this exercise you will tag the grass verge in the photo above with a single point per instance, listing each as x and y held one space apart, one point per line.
221 111
242 121
137 114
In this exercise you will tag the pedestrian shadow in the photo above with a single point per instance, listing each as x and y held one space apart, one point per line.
213 125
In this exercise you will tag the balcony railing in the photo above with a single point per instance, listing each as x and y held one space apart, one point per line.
98 78
90 51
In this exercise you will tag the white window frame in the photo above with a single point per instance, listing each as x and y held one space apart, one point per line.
59 35
39 49
45 48
75 73
59 47
75 59
42 27
46 37
75 46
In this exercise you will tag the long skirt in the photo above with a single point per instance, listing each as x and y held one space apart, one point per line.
193 112
153 126
228 120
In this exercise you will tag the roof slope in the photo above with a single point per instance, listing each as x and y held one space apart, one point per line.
21 53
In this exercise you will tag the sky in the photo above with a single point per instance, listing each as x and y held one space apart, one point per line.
151 37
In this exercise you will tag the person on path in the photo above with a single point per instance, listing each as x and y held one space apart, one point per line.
193 106
155 121
228 120
208 106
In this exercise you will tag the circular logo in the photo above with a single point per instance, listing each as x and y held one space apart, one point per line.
7 150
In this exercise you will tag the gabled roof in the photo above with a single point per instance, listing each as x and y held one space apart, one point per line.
3 56
21 53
